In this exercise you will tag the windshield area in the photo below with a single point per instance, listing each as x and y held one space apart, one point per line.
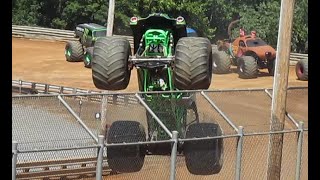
256 42
192 34
100 33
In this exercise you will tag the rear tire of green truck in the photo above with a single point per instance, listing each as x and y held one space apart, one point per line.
128 158
221 62
110 63
204 157
193 63
74 51
88 57
247 67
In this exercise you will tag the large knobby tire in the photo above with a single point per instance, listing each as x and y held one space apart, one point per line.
126 158
247 67
302 69
204 157
221 63
110 63
193 63
271 66
88 57
74 51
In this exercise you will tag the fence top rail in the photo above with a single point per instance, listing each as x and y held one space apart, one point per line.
163 141
21 83
86 93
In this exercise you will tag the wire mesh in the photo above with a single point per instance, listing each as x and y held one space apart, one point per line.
250 109
44 123
254 157
86 108
57 163
289 154
117 109
209 114
304 160
297 104
154 167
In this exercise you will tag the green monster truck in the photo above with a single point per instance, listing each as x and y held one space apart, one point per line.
82 49
166 60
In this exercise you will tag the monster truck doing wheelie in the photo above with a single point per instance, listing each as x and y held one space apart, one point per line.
248 52
82 49
166 60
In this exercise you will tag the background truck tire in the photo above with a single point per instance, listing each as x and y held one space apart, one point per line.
302 69
247 67
221 62
74 51
88 57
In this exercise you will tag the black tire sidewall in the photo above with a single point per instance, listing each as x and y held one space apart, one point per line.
89 52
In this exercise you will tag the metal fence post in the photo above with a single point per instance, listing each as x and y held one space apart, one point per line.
80 107
299 151
14 159
100 157
239 153
20 86
174 155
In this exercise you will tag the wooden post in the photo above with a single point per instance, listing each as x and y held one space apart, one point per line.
280 85
110 18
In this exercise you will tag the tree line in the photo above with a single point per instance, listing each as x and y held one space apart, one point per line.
209 18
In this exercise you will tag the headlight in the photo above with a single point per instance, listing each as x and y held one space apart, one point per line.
180 19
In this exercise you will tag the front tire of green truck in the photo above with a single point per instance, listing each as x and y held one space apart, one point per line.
74 51
110 63
203 157
193 63
88 57
127 158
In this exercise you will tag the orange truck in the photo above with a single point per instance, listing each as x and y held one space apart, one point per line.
248 52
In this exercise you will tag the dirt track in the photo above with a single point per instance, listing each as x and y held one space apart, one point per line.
44 61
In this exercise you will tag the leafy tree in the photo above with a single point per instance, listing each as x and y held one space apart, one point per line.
25 12
209 17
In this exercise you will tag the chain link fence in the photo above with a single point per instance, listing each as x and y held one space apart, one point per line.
58 135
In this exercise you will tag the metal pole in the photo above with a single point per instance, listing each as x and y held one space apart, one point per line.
299 151
20 86
280 85
110 17
239 153
80 107
287 114
77 118
100 158
14 159
174 155
219 111
104 104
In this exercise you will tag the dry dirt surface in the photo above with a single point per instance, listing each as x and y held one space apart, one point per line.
44 61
